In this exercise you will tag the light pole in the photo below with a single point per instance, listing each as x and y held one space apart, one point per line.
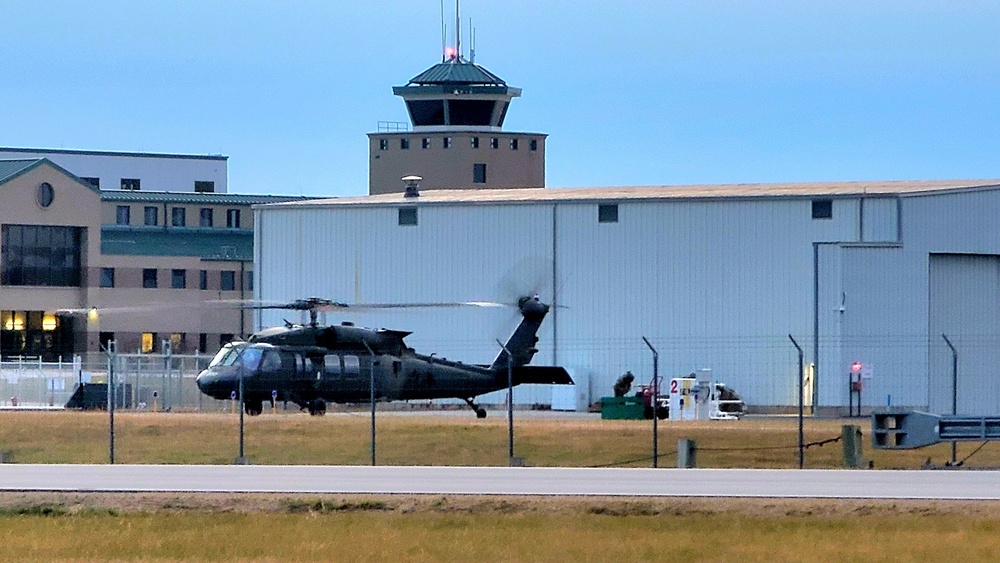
954 391
371 383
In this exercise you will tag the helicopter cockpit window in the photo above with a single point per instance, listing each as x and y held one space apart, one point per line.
251 358
226 356
352 365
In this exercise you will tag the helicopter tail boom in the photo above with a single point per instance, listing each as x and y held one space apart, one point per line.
521 344
542 375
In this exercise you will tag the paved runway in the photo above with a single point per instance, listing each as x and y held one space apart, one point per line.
953 484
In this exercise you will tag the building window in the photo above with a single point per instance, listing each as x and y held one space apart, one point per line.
447 142
533 145
123 215
148 342
178 217
202 342
822 209
40 255
178 279
205 219
479 173
383 144
513 144
404 144
607 213
203 279
407 216
149 278
204 186
475 142
494 143
425 143
107 277
176 342
130 183
233 218
227 280
96 182
151 215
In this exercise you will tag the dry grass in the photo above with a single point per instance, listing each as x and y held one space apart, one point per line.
273 527
428 439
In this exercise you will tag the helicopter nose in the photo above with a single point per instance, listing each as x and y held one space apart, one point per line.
208 382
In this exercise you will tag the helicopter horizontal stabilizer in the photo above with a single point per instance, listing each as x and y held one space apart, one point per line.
543 375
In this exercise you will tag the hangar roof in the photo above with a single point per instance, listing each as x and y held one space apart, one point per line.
723 191
138 196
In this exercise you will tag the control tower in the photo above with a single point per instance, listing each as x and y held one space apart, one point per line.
457 141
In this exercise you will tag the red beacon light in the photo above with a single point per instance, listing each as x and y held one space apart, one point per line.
856 367
449 52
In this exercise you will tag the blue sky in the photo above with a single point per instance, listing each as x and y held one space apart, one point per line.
631 93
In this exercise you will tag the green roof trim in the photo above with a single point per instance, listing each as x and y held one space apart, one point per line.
139 196
207 244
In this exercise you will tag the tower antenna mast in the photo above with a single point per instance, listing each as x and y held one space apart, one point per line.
458 32
444 37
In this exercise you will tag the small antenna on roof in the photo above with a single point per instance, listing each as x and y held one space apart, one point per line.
458 33
472 42
444 31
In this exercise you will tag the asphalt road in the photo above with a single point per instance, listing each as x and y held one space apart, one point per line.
974 485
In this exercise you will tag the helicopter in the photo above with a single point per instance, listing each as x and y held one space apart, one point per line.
312 365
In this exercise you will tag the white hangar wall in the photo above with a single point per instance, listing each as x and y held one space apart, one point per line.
712 283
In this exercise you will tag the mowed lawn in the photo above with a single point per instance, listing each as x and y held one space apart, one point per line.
592 534
447 438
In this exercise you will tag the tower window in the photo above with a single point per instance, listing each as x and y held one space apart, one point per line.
383 144
533 145
425 143
96 182
233 218
447 142
475 142
607 213
822 209
407 216
130 183
203 279
178 217
479 173
494 143
149 278
151 215
204 186
227 280
404 144
206 217
513 144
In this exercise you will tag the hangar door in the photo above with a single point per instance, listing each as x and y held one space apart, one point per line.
965 305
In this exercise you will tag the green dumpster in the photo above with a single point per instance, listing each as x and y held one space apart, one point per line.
622 408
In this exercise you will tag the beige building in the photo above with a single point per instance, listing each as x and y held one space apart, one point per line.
457 109
137 267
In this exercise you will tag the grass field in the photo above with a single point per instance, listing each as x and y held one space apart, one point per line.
439 439
269 527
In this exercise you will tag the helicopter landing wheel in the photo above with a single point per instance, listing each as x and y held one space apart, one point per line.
480 412
317 407
253 408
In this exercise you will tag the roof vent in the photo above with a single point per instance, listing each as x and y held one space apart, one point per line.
412 184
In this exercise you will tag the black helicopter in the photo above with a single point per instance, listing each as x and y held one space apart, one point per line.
311 365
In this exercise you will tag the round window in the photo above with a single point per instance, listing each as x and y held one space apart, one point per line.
45 194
